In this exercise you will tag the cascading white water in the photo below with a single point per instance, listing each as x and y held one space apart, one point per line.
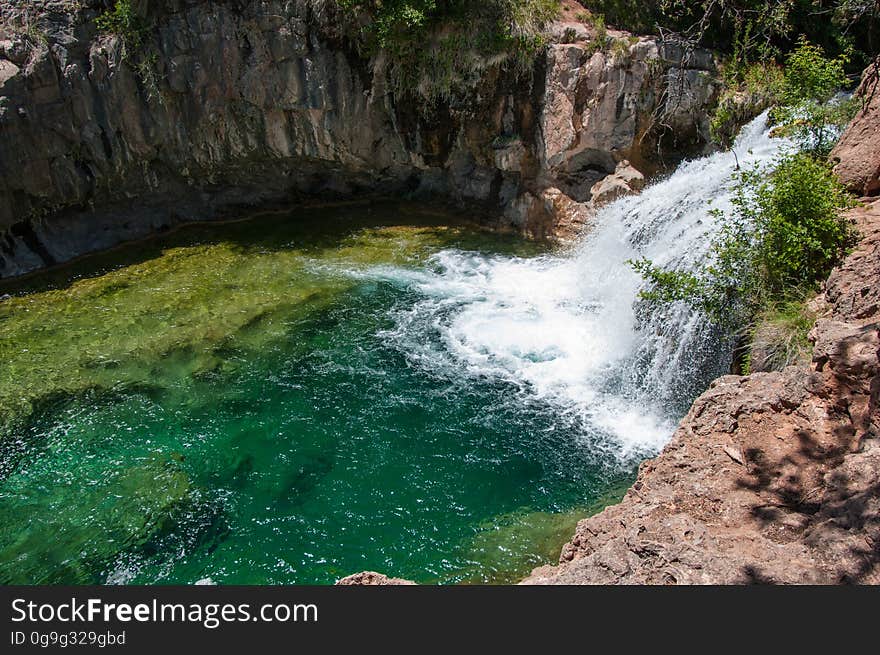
565 330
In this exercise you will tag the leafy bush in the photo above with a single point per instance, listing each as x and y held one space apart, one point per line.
784 234
747 92
810 112
809 75
797 215
728 288
394 20
124 22
751 30
437 47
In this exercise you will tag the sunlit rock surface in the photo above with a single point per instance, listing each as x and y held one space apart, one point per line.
857 154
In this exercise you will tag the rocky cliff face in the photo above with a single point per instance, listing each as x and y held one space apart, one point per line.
857 154
230 104
770 478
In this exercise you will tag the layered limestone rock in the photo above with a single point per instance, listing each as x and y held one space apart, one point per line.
770 478
232 104
857 154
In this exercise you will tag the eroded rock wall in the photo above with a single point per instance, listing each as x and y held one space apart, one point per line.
857 155
230 104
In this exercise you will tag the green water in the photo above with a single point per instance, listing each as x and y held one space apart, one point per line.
221 403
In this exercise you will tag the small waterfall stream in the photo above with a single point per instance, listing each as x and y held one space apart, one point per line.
567 329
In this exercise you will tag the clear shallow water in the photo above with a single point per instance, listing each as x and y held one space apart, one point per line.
293 399
228 403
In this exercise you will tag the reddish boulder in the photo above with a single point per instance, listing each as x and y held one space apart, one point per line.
857 154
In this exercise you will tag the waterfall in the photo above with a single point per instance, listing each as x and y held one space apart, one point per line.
568 330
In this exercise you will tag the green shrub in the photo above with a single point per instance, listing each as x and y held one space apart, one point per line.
810 75
723 126
600 39
810 112
801 233
780 337
435 48
785 233
124 22
620 48
803 94
751 30
747 92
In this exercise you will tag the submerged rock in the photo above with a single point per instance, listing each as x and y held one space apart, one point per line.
129 514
